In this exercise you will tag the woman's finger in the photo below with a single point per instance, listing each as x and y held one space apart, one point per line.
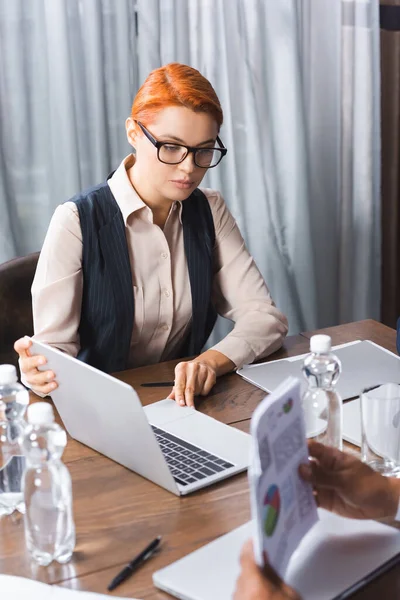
180 383
191 379
202 377
32 363
22 346
36 378
209 383
192 372
46 389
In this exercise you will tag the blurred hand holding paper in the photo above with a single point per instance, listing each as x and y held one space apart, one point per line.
337 556
282 505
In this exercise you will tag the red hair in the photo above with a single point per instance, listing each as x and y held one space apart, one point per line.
175 85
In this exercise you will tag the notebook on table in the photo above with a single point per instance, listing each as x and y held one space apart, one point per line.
334 559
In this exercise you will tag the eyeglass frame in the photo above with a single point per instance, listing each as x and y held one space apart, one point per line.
189 149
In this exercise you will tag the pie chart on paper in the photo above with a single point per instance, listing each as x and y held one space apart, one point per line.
272 505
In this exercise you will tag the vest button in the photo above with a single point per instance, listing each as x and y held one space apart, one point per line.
164 327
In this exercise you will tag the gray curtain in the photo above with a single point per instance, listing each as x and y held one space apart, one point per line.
67 78
299 85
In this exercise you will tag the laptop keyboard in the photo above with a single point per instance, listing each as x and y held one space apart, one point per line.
188 463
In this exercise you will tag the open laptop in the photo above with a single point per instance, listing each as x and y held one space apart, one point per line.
178 448
364 364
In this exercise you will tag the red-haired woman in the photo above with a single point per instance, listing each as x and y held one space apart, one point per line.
134 271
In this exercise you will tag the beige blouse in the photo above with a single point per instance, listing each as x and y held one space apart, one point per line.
160 282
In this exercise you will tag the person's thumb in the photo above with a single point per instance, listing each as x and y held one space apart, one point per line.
22 346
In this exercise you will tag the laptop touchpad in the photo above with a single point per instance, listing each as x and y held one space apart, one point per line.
166 411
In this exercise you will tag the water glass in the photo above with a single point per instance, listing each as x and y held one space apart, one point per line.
380 428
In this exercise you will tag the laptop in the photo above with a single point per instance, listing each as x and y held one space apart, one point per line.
178 448
364 364
337 557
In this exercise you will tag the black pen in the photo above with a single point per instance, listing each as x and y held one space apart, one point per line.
158 384
134 564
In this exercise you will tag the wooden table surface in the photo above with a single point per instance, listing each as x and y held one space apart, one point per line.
118 512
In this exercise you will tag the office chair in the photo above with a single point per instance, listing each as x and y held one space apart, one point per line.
16 320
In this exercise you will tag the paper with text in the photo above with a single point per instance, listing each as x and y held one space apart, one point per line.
21 588
282 504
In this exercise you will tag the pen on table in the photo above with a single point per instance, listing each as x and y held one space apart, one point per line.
158 384
134 564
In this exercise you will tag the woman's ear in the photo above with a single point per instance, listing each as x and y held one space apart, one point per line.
131 131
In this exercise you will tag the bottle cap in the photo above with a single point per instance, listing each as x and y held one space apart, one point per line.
8 374
320 343
40 413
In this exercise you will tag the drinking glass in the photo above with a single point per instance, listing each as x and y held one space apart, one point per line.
380 428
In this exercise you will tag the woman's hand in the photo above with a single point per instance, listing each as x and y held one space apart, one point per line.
41 382
192 378
198 376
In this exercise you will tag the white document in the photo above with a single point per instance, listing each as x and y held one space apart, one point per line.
336 556
283 507
364 364
352 422
21 588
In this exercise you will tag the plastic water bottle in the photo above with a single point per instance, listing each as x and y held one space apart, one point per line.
49 523
14 399
322 404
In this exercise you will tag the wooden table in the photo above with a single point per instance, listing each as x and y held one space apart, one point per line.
117 512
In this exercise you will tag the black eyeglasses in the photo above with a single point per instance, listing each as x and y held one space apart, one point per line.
173 154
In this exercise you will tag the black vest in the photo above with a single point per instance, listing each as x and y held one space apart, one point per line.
107 304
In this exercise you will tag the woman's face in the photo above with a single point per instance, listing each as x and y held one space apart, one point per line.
174 124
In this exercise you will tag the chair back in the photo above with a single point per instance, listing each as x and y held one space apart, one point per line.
16 277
